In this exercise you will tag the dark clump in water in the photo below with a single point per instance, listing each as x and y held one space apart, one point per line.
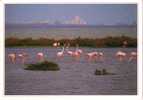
103 72
44 66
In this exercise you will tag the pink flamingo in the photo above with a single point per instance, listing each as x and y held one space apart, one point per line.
92 55
78 50
75 53
95 55
100 55
133 55
121 55
12 57
40 56
70 53
23 56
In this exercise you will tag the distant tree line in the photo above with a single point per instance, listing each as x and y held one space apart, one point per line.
84 42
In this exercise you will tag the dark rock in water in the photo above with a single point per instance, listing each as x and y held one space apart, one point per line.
43 66
97 72
103 72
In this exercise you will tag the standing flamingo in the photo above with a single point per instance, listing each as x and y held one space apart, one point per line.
75 53
71 53
92 55
12 57
121 55
78 50
40 56
23 56
133 55
100 56
61 53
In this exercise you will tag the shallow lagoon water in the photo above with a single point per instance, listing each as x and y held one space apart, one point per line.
76 77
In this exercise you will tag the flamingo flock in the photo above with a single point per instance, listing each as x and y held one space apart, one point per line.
97 56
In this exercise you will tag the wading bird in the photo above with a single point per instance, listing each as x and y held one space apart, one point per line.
100 56
61 53
76 54
12 57
23 56
69 52
121 55
40 56
133 55
92 55
78 50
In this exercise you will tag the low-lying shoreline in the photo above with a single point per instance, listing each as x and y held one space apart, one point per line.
107 42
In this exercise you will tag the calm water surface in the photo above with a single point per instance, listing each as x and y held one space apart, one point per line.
76 77
36 31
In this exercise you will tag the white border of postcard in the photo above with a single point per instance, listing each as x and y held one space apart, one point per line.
70 97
